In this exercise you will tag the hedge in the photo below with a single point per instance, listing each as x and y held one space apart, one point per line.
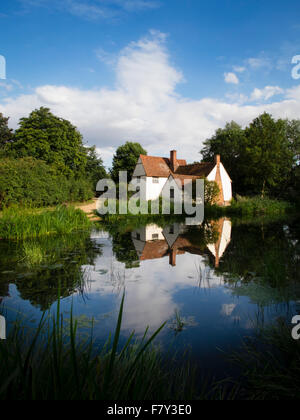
31 182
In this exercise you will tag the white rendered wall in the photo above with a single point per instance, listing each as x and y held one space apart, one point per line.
212 175
153 190
227 185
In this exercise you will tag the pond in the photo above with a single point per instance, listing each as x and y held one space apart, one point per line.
213 284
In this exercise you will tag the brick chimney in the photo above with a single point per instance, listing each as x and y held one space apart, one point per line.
173 160
218 160
172 257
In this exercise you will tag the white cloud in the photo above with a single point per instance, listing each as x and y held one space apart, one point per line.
257 63
231 78
239 69
145 107
93 9
265 94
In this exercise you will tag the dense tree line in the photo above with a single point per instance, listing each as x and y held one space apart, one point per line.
45 162
263 158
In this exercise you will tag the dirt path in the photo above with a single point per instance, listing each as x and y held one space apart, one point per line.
89 209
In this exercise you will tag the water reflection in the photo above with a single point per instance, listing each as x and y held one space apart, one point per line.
154 242
220 278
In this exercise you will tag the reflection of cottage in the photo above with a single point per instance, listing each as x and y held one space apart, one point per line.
2 328
223 227
155 172
153 242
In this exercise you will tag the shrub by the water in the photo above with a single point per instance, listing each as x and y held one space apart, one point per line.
25 223
31 182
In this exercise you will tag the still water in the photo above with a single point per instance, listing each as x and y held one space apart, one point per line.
213 284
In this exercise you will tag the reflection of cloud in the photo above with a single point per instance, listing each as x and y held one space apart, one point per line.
150 288
227 309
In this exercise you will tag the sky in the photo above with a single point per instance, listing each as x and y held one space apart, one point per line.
165 73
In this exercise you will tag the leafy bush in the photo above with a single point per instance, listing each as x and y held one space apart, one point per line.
31 182
258 205
16 223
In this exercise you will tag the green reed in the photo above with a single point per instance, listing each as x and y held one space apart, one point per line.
27 223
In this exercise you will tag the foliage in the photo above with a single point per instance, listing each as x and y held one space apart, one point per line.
267 155
54 140
38 266
94 167
260 158
258 206
6 134
30 182
21 223
270 365
56 365
228 142
125 159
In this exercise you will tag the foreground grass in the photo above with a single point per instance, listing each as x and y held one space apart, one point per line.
270 365
55 365
21 224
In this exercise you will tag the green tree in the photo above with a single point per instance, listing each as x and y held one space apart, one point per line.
6 134
268 156
54 140
125 159
258 159
95 169
229 142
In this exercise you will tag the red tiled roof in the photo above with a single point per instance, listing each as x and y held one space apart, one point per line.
154 250
196 169
161 167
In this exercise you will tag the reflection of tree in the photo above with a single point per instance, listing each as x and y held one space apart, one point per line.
63 258
201 236
124 250
262 262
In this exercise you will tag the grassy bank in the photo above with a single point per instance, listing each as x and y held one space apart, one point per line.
270 364
251 206
56 365
240 207
21 224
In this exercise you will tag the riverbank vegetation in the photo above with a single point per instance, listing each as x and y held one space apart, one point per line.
45 162
16 223
54 363
269 364
261 159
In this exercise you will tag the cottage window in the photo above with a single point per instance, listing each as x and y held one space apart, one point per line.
172 193
138 236
155 236
155 180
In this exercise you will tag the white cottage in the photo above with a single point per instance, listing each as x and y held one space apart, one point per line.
155 171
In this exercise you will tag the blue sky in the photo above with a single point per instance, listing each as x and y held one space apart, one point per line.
166 73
